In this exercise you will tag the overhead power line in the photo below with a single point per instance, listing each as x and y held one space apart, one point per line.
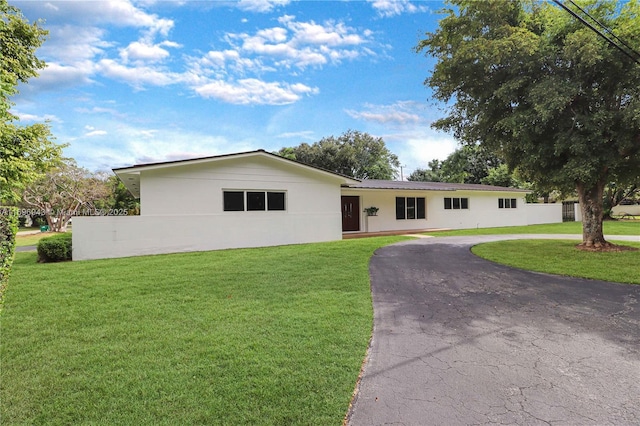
629 52
607 29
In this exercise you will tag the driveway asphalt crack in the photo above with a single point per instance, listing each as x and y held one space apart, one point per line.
459 341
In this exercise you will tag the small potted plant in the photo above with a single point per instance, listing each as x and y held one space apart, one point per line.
371 211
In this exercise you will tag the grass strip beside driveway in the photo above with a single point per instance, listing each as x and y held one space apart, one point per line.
611 227
561 257
253 336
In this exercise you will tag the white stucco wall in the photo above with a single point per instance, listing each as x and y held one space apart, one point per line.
110 237
197 189
539 213
483 210
182 210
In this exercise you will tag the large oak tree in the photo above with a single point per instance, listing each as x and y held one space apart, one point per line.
530 82
353 153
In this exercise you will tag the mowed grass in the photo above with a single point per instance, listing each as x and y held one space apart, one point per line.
611 227
32 239
561 257
252 336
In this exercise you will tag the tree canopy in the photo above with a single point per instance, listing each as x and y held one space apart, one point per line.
541 90
467 164
353 154
25 152
63 191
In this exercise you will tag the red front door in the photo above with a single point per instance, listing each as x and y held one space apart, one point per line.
350 213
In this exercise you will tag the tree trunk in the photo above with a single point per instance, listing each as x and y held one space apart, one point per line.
591 206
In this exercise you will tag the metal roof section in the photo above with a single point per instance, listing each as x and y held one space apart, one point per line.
429 186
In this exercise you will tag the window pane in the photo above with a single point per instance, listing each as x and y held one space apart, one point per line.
447 203
233 201
420 208
255 201
400 208
513 203
464 203
456 203
507 203
275 201
411 208
501 203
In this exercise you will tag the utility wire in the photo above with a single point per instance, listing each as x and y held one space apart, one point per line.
607 29
597 31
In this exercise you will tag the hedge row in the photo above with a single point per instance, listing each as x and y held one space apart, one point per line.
8 231
56 248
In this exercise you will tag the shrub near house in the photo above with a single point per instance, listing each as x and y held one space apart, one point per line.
56 248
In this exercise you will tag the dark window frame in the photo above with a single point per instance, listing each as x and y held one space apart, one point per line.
233 201
411 208
507 203
456 203
250 200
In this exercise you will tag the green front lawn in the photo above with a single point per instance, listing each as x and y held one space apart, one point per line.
611 227
563 258
31 240
252 336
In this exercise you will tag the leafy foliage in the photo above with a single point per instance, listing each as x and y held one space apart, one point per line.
25 152
353 153
117 196
56 248
8 231
536 87
63 191
468 164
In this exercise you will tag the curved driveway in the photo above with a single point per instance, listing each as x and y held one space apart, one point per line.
459 340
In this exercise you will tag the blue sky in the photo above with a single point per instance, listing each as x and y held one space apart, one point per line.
129 81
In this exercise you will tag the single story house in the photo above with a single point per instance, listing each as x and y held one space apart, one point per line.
256 199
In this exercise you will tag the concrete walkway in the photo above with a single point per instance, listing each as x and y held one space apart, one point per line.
459 340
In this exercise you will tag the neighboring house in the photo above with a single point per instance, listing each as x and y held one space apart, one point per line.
256 199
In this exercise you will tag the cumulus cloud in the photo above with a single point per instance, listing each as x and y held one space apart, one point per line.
138 76
261 6
253 91
388 8
293 44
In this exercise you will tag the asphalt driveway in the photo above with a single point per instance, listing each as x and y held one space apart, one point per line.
459 340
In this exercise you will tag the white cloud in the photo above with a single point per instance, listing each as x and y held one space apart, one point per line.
95 133
295 44
57 76
25 117
89 13
128 145
138 76
261 6
418 147
92 131
401 113
138 51
253 91
388 8
77 38
305 134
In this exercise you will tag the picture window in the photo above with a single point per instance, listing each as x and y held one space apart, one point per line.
456 203
235 201
507 203
410 208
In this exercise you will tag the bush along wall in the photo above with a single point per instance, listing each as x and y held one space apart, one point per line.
8 231
56 248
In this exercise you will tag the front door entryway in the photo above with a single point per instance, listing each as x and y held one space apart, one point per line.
350 213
